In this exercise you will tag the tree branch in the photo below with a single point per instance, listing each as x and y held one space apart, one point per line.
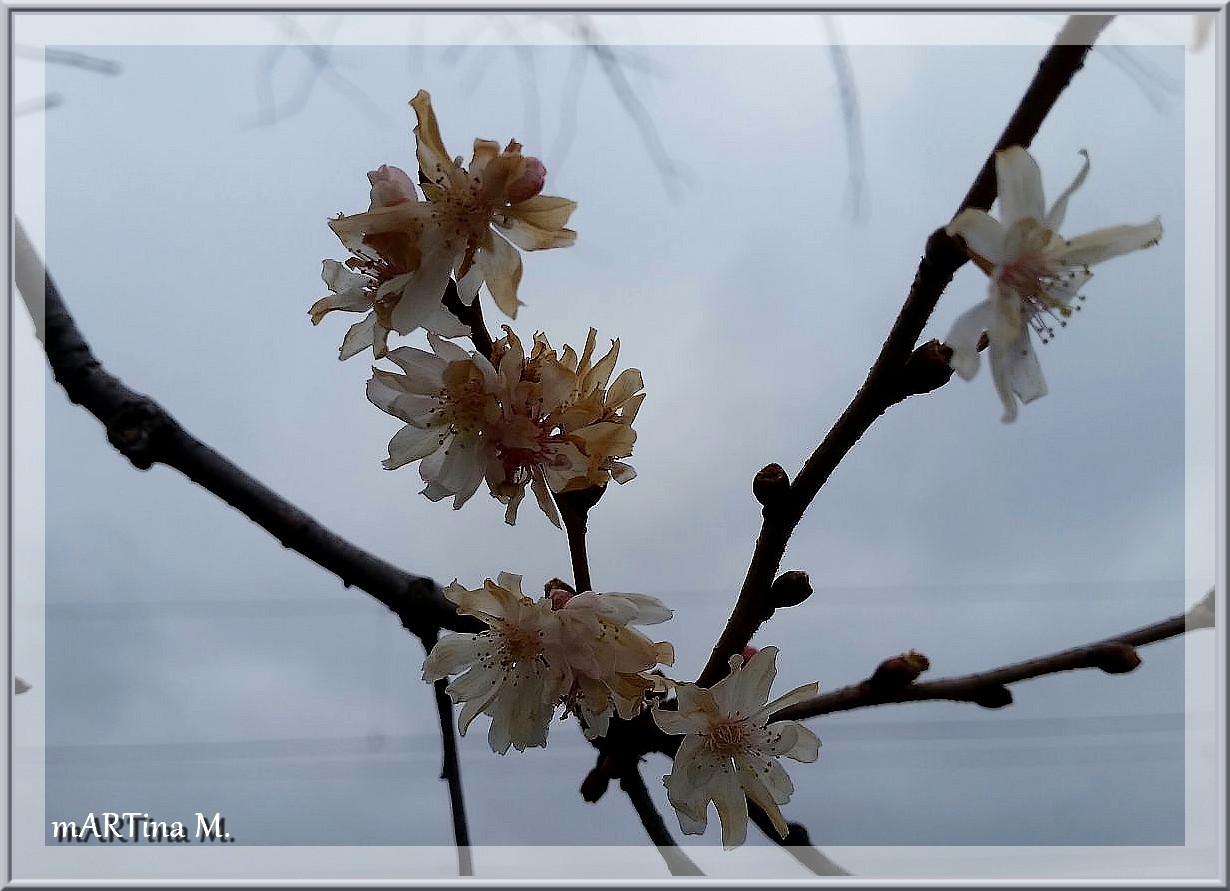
676 860
1113 655
892 377
450 772
146 434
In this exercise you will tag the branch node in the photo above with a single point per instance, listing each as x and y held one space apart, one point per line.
899 670
1114 658
771 487
997 696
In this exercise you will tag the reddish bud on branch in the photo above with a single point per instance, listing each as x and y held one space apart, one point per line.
900 670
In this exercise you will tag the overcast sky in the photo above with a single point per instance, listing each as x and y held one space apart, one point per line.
192 664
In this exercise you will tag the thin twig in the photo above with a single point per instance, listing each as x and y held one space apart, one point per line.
146 434
450 772
470 315
71 58
1114 655
888 380
676 860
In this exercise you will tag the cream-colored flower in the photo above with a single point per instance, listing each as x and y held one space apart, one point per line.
468 224
562 428
610 661
449 401
1035 274
374 278
577 651
544 421
730 751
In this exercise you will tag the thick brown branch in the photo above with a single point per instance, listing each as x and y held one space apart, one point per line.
900 369
146 434
679 863
1114 655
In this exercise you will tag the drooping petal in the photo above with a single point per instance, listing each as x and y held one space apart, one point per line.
1015 367
1113 241
983 234
731 805
359 337
964 335
501 266
1054 216
1019 183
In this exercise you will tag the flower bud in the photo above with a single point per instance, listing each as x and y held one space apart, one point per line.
559 592
390 185
790 589
900 670
771 486
529 183
749 651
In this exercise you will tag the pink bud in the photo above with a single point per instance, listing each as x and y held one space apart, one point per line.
390 185
529 183
749 652
559 596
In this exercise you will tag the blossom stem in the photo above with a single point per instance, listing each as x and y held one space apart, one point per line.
574 525
987 688
884 384
471 316
450 771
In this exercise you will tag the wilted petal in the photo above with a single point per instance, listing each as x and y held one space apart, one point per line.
501 267
538 223
434 160
1054 217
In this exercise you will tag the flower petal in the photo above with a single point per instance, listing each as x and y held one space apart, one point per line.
743 693
434 160
964 335
359 337
501 266
538 223
1103 244
983 234
410 444
1019 183
1054 216
1015 370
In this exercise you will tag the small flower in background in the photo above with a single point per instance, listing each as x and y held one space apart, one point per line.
730 751
537 655
463 229
375 278
1035 274
546 421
